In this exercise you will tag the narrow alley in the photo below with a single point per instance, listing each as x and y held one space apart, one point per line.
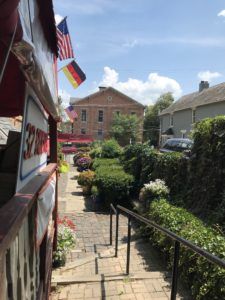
92 271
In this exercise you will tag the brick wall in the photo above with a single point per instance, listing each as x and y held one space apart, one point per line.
109 101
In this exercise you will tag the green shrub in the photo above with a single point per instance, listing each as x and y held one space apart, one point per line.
206 280
96 152
113 183
86 178
172 168
206 185
96 144
85 149
111 149
99 162
132 151
94 191
148 159
131 160
63 167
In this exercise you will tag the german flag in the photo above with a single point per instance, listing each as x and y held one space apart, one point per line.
74 74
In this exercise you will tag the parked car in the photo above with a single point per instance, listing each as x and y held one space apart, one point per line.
177 145
68 148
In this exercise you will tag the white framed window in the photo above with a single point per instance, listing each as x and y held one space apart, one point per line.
83 131
100 116
83 115
171 120
100 132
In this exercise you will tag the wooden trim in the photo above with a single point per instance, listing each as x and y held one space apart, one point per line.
13 213
40 291
55 214
53 139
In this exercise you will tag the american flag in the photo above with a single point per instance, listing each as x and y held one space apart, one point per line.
65 49
71 113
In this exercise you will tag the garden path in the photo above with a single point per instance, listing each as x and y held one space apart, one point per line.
92 271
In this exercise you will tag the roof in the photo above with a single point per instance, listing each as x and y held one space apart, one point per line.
9 17
213 94
101 91
74 100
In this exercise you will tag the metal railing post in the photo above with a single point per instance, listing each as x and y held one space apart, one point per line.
128 246
110 230
117 233
175 270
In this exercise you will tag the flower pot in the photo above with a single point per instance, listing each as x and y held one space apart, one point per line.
86 190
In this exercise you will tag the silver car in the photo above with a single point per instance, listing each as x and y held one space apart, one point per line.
177 145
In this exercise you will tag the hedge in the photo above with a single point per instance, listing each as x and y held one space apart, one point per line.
172 168
206 186
111 149
206 280
112 182
148 159
138 160
99 162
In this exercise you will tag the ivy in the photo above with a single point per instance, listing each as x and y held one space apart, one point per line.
206 280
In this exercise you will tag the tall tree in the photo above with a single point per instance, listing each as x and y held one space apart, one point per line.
125 128
151 120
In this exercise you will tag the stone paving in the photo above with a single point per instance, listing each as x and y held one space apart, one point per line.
92 271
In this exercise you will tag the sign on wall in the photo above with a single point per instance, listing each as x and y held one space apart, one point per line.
34 141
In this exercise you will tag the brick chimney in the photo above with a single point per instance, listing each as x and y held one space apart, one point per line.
101 88
203 85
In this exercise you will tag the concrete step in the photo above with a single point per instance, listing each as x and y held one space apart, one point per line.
64 280
107 253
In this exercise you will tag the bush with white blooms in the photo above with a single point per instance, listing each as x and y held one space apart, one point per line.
154 189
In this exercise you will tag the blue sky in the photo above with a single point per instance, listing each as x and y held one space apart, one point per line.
145 48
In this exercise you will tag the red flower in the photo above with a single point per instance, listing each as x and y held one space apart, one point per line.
66 222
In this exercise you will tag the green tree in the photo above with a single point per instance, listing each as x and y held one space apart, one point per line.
151 120
125 128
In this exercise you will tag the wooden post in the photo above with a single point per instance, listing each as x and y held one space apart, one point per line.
54 159
53 139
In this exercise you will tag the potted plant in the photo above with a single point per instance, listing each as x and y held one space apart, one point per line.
65 241
85 179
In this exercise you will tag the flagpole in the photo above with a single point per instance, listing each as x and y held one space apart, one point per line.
60 69
65 66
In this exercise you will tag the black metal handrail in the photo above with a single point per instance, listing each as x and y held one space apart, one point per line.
112 209
178 240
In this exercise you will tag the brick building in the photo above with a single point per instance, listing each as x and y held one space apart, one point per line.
96 111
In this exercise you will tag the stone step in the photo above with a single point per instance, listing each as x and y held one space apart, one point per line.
103 254
64 280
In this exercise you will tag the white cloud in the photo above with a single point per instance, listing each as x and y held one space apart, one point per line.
200 42
58 18
208 76
145 92
131 44
221 13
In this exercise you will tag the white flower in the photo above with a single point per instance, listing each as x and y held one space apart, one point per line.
153 189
